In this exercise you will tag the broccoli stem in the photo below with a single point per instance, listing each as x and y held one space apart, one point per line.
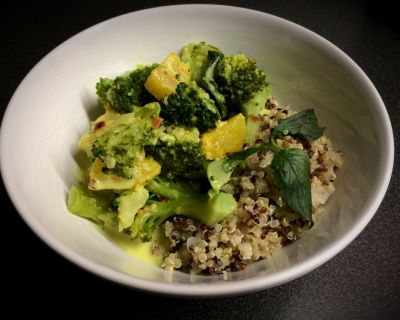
199 207
182 200
169 189
252 110
93 206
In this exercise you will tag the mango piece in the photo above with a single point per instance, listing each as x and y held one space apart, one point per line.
164 79
229 136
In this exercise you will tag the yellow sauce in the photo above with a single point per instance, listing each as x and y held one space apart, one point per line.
135 248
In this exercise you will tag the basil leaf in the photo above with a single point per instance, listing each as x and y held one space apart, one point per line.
303 125
233 160
292 177
207 80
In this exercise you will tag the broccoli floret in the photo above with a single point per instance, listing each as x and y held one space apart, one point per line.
238 78
181 200
117 151
102 87
125 92
190 106
179 151
122 143
182 159
195 56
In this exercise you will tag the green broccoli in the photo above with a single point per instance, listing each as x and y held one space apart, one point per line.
190 106
238 78
195 55
178 150
125 92
181 159
129 203
123 142
97 207
116 150
181 200
252 110
216 173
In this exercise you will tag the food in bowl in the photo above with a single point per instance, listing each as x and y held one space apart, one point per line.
195 157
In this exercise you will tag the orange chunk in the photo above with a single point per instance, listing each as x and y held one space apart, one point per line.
229 136
164 79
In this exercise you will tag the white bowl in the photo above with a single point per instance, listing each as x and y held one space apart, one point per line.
49 111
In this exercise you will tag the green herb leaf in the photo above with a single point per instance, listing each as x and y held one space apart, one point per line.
292 177
233 160
208 82
303 125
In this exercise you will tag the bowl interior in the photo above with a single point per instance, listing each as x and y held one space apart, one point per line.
53 106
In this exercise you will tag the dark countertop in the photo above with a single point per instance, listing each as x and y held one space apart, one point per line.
362 282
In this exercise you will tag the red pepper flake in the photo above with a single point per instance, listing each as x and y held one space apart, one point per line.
99 125
157 122
254 118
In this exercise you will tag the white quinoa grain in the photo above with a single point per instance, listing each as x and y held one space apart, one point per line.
264 163
202 257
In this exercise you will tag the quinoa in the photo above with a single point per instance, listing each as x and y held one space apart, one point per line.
260 225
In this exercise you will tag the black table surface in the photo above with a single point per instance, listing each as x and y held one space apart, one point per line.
362 282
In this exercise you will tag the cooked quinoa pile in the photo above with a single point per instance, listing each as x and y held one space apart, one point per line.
260 226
